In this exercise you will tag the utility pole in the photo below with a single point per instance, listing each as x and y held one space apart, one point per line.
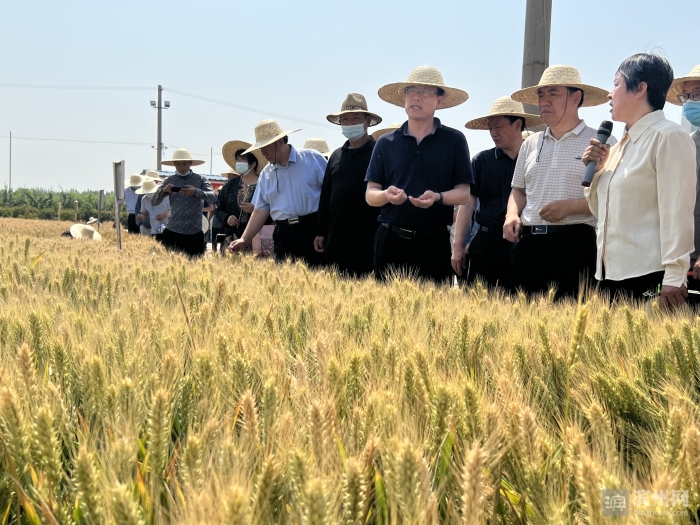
538 21
159 141
9 195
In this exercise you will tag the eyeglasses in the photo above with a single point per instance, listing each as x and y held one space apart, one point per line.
415 90
683 98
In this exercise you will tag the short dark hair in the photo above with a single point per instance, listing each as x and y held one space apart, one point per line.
440 92
252 159
285 139
513 119
652 69
573 90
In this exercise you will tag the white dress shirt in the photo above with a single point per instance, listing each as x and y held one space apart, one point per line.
551 170
130 198
644 199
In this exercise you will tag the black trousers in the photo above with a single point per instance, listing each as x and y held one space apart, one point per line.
192 245
131 225
490 259
562 259
426 256
296 241
636 288
352 253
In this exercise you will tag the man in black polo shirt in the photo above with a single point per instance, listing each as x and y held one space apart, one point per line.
417 174
346 223
490 252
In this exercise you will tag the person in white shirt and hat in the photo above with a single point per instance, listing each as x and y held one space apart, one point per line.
130 197
643 193
157 216
288 190
188 193
547 215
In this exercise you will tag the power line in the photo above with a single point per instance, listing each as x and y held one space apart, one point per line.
253 110
98 88
78 140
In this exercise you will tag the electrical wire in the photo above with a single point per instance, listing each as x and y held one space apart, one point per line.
97 88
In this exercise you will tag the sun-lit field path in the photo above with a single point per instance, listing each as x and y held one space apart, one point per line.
140 387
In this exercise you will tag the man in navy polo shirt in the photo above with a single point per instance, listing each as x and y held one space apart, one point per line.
417 174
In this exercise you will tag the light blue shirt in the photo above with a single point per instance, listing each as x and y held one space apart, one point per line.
293 190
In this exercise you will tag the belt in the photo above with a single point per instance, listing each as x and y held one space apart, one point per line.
492 231
298 220
409 234
545 229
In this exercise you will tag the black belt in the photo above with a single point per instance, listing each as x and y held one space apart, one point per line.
409 234
298 220
545 229
490 231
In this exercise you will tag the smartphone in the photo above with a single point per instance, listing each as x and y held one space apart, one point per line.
175 189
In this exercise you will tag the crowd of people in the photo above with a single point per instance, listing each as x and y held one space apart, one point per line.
409 197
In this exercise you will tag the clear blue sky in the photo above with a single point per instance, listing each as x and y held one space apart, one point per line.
295 58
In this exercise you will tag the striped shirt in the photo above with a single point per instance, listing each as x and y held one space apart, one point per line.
556 176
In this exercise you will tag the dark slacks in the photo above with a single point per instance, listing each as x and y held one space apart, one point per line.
490 259
636 288
192 245
562 259
351 253
427 255
131 225
296 241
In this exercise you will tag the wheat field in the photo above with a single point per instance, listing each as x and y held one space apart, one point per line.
137 387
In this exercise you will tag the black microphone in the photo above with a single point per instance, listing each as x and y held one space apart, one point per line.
604 132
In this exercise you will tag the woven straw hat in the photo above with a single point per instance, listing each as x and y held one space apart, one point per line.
319 145
505 107
153 175
392 127
677 86
180 155
354 103
134 181
83 231
565 76
149 186
423 76
92 220
267 132
229 152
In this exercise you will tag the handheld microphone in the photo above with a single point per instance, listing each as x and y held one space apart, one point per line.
604 132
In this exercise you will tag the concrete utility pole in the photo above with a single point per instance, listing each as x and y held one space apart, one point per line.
538 21
160 107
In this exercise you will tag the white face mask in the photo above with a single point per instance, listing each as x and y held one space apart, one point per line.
183 174
242 167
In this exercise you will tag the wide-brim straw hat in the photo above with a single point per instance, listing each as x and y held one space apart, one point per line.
229 152
149 186
423 76
319 145
133 181
83 231
564 76
267 132
383 131
180 155
354 103
92 220
677 85
505 107
153 175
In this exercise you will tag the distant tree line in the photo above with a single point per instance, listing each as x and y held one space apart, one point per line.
38 203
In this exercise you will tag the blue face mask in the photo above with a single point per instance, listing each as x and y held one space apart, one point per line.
242 167
354 132
691 110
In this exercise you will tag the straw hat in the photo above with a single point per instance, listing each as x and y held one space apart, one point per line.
677 86
354 103
319 145
565 76
83 231
149 186
229 152
134 181
392 127
267 132
152 174
180 155
92 220
505 107
423 76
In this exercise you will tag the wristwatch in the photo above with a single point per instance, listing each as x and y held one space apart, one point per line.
440 200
